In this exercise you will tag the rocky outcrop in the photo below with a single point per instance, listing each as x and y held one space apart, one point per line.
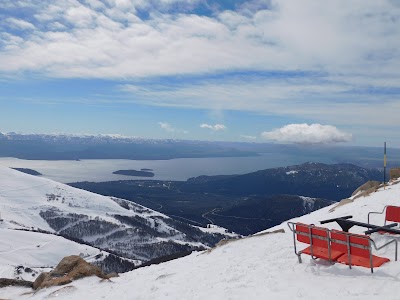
366 189
341 203
15 282
70 268
394 173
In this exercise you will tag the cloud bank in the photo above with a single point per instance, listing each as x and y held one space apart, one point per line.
171 129
248 137
307 134
166 126
111 39
216 127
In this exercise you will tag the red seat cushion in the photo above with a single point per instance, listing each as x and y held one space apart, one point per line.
322 253
377 261
392 213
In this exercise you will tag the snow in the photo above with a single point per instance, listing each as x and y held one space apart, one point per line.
33 249
262 266
24 199
292 172
212 228
22 196
308 203
37 251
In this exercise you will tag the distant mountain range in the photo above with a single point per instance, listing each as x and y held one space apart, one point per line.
333 182
76 147
244 203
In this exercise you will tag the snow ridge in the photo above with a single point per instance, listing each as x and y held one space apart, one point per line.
126 228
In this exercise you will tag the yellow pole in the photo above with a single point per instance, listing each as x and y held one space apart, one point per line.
384 167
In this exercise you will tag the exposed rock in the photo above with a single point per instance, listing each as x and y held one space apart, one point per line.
394 173
112 275
270 232
46 279
15 282
341 203
70 268
40 279
366 189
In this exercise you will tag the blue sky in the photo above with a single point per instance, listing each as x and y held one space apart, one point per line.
256 70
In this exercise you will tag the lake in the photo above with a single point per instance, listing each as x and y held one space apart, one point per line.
175 169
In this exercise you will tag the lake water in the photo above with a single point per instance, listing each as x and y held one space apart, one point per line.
175 169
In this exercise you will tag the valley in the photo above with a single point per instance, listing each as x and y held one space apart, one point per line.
245 203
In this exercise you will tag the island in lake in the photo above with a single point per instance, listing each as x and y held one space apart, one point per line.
141 173
28 171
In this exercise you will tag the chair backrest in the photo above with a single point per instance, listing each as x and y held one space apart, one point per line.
319 235
359 244
392 213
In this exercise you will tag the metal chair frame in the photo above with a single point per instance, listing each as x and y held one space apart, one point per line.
371 243
380 213
292 225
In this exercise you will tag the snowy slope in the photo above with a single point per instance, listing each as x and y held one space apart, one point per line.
258 267
35 252
23 196
127 228
34 249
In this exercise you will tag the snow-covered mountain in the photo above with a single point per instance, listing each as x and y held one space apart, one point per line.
123 227
262 266
86 138
106 146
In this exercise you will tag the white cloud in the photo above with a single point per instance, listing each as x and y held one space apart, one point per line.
216 127
80 16
20 24
248 137
323 100
307 134
17 4
169 128
340 37
166 126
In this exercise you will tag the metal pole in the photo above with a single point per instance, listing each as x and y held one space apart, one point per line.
384 166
